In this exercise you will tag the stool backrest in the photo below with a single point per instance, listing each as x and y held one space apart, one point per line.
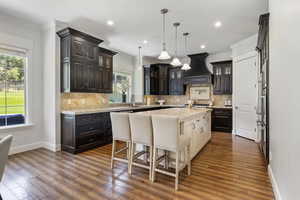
4 149
120 126
166 131
141 129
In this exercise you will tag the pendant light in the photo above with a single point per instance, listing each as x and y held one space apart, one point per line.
186 66
164 55
176 62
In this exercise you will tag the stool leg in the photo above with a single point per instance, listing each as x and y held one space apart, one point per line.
177 170
189 159
113 154
131 157
150 162
154 164
128 151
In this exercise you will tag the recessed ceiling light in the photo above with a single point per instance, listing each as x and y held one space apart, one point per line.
110 22
218 24
202 46
145 42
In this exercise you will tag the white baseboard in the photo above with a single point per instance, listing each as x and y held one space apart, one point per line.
233 132
37 145
51 147
24 148
274 184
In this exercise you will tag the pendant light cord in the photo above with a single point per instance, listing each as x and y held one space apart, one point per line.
176 41
140 60
164 32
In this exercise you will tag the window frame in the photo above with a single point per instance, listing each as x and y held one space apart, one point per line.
27 59
130 88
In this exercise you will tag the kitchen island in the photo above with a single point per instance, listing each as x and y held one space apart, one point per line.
195 125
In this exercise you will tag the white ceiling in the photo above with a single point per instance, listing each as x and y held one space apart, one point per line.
138 20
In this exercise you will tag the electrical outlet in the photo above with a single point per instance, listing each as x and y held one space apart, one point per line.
270 156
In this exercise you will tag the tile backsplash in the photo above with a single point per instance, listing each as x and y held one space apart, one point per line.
218 100
70 101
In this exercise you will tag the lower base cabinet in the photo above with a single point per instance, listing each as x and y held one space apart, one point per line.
84 132
221 120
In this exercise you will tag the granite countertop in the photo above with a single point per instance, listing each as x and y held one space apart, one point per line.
113 109
125 108
182 114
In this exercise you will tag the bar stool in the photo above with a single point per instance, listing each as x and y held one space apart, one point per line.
167 135
120 132
141 133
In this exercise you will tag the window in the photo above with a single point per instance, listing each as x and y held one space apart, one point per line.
12 87
121 88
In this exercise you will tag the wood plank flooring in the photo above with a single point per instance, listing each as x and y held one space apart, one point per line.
227 168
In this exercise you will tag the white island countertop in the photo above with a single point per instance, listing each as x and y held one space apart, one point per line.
183 114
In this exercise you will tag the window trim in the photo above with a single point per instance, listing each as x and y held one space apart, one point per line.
130 88
27 57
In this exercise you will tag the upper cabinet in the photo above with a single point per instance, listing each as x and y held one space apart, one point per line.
163 79
222 77
85 67
156 79
176 86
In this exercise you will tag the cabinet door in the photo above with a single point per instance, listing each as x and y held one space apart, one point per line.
218 80
107 74
227 79
147 81
78 48
91 52
91 68
163 80
172 82
80 76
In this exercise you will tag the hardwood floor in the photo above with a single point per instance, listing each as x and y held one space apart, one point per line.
227 168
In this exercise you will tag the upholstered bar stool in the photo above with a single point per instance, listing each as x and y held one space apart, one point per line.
4 149
120 132
167 135
141 133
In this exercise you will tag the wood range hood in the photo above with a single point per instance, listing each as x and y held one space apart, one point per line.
198 74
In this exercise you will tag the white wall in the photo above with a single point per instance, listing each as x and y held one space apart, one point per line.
284 96
216 57
51 69
26 35
124 63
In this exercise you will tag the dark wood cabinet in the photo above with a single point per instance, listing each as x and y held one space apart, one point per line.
176 86
156 79
81 70
222 77
83 132
163 79
221 120
105 63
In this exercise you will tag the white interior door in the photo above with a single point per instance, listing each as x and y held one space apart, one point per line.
245 96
